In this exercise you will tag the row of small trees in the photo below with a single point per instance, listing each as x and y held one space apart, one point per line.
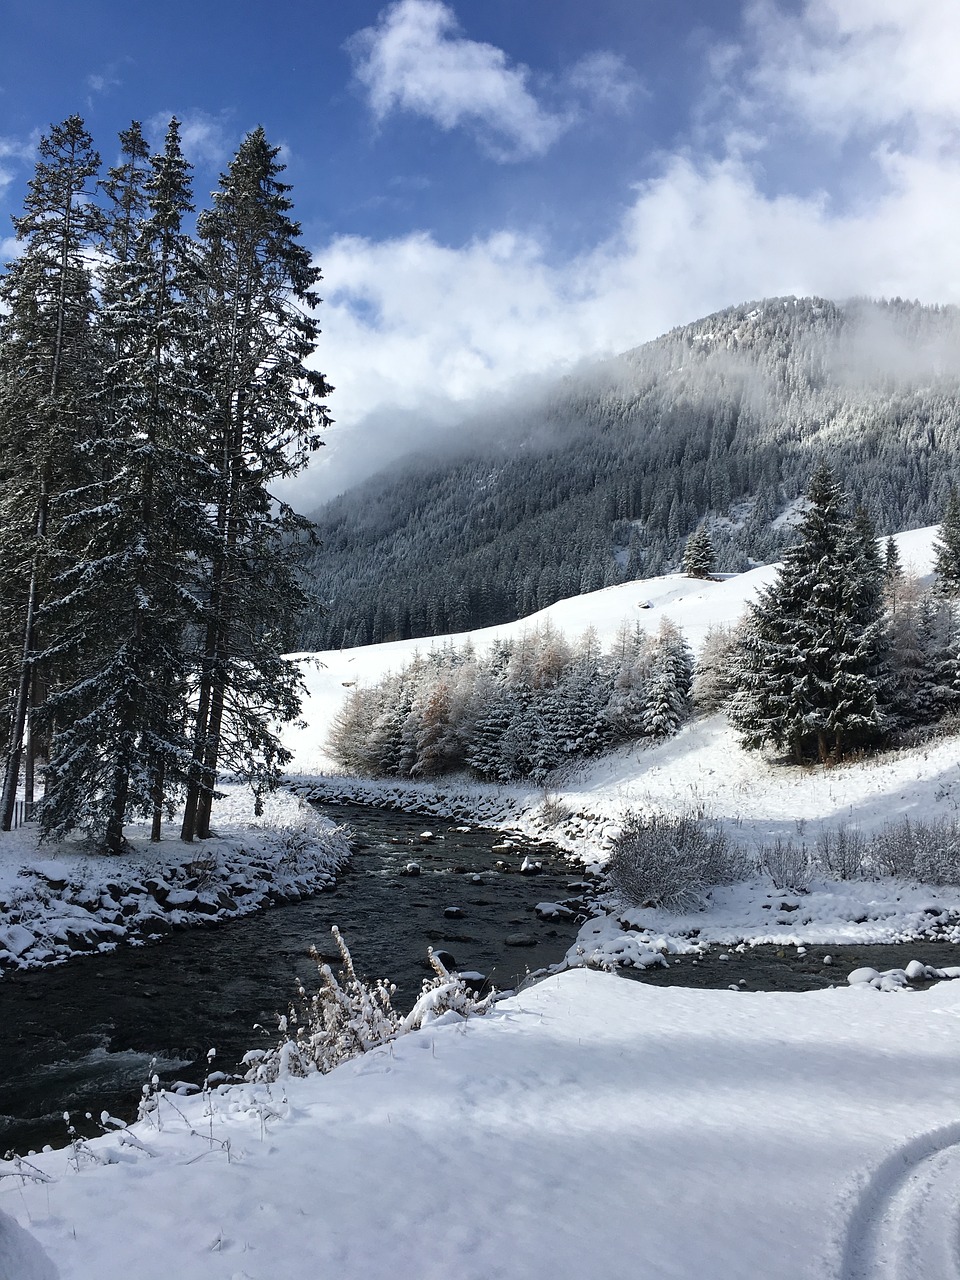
521 710
153 386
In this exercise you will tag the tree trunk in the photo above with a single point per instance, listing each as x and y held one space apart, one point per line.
24 689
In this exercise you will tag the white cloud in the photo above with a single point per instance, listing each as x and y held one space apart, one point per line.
410 321
605 80
16 152
20 149
416 60
849 67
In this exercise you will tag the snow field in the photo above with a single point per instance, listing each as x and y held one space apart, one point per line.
587 1126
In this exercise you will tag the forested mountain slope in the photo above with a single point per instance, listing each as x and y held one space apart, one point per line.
602 478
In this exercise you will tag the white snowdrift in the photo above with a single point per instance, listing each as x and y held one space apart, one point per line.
589 1127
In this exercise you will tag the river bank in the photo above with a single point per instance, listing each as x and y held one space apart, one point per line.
62 901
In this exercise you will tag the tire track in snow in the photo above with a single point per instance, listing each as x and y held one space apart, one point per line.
906 1224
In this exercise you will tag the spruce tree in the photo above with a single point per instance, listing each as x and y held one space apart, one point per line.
267 411
120 739
667 696
48 383
813 656
892 576
947 548
698 554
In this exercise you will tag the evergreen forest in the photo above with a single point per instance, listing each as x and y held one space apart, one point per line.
153 387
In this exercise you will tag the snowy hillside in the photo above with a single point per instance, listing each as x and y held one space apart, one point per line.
701 768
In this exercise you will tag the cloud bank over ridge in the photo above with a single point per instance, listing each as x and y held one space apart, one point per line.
823 158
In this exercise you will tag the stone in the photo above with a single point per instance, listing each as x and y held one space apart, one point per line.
519 940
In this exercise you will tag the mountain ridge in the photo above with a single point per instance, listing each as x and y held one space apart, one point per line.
601 478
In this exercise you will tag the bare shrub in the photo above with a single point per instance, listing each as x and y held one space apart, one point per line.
347 1016
553 811
937 851
787 864
925 851
893 851
841 854
663 861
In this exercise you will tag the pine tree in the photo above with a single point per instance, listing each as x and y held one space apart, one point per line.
48 381
698 555
120 739
267 413
947 548
938 637
892 576
667 696
813 656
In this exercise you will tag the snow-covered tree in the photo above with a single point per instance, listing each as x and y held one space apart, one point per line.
812 660
120 740
698 554
714 675
48 387
630 665
267 411
947 547
892 575
667 700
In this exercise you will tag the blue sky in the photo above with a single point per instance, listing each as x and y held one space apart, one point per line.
496 190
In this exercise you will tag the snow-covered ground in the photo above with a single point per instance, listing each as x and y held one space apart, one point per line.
588 1126
61 900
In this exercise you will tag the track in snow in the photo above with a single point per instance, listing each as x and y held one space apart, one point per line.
906 1225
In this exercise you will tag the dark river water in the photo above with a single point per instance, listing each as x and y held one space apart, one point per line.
81 1036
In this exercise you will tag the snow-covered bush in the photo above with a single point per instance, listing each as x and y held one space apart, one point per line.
926 851
664 861
937 851
841 854
787 864
347 1016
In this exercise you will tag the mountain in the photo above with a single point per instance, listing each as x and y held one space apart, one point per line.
600 479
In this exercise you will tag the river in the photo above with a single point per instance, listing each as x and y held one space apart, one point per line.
82 1036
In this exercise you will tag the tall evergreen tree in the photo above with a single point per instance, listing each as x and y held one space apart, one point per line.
666 701
120 738
48 379
947 548
892 576
267 412
813 653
